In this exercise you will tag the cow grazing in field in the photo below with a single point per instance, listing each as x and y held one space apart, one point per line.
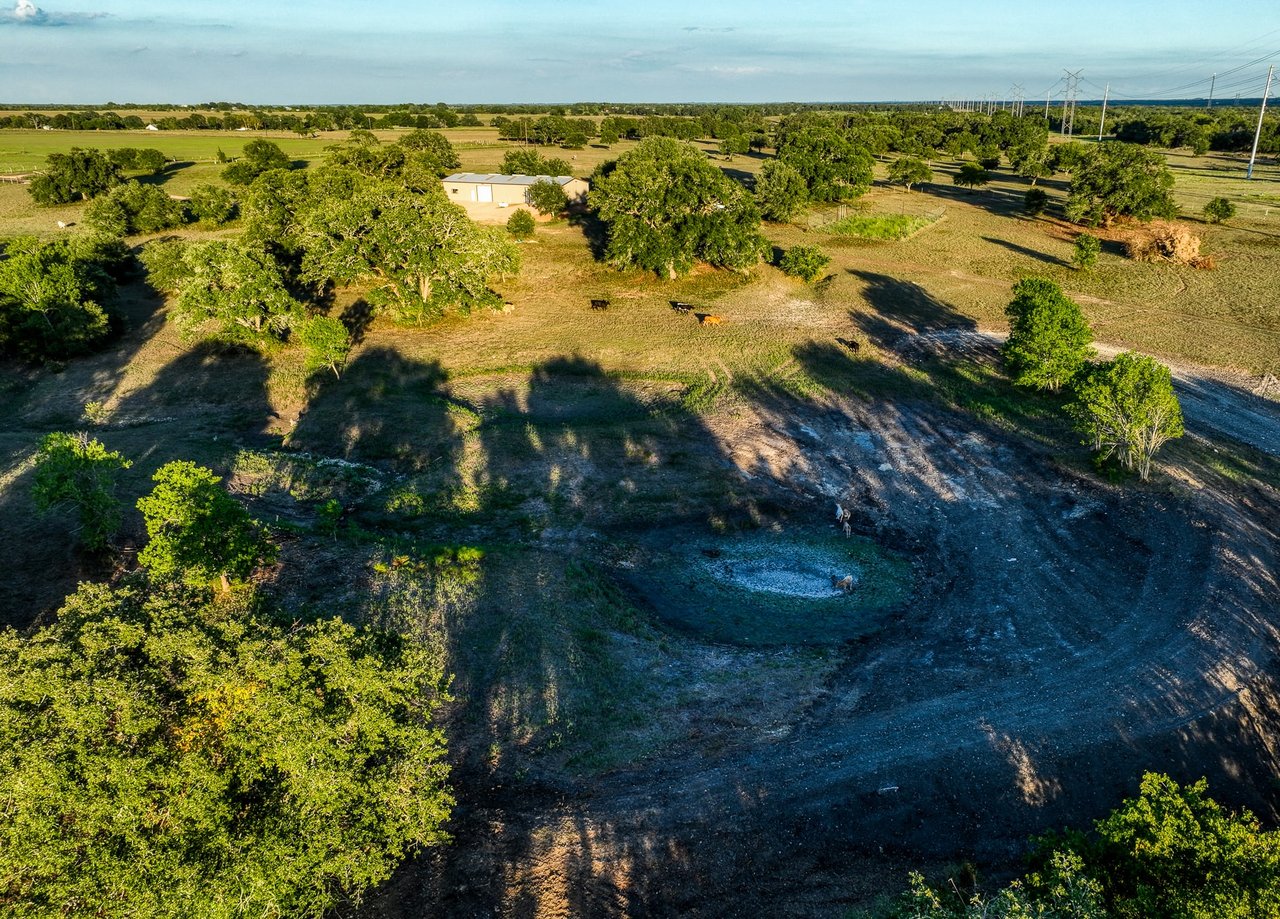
681 307
600 305
709 319
844 584
849 343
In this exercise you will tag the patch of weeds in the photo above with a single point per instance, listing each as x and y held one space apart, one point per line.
881 227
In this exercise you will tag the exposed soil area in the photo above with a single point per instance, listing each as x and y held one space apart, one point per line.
1063 635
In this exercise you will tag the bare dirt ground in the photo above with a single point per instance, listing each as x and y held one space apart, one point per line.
1064 636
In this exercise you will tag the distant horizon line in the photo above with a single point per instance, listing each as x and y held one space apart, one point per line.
481 106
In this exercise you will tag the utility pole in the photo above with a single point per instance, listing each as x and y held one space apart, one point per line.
1213 81
1261 112
1069 102
1101 124
1046 105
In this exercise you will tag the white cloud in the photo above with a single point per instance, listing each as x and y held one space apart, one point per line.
25 12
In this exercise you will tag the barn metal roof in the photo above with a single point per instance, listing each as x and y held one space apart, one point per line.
496 178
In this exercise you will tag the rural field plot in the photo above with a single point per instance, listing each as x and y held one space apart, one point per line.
674 673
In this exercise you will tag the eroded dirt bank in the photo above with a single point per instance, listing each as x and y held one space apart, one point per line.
1064 635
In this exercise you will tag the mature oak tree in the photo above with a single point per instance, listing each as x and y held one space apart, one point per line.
162 754
665 207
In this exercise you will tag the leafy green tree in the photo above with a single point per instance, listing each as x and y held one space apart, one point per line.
1085 251
521 224
196 531
971 176
420 251
55 300
734 145
608 133
833 167
1031 160
1049 338
548 197
1035 201
238 285
1219 209
1175 852
781 192
259 156
432 150
77 471
74 176
1127 408
1120 180
135 208
148 161
164 755
165 264
909 170
327 342
529 162
804 262
665 207
213 204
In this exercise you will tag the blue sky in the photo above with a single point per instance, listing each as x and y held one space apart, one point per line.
644 50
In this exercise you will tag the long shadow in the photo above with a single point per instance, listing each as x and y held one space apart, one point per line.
199 406
386 410
1029 253
902 309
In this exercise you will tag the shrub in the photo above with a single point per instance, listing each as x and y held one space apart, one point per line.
805 262
1035 201
1085 253
1219 209
327 341
780 192
521 224
77 471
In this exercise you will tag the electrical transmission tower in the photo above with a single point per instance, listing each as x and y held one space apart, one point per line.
1017 93
1069 102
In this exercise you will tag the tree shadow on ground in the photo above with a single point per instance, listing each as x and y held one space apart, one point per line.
902 309
199 406
1029 253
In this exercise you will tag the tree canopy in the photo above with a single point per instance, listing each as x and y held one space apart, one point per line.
909 170
164 755
1127 408
259 156
781 192
833 166
74 176
665 207
135 208
1120 180
420 251
1049 337
529 162
56 298
196 531
77 471
238 285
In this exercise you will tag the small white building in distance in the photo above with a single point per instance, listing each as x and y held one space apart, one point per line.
494 197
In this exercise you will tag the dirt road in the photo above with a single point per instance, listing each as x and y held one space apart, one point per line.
1214 402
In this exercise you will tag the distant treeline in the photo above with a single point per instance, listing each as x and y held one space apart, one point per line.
573 126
